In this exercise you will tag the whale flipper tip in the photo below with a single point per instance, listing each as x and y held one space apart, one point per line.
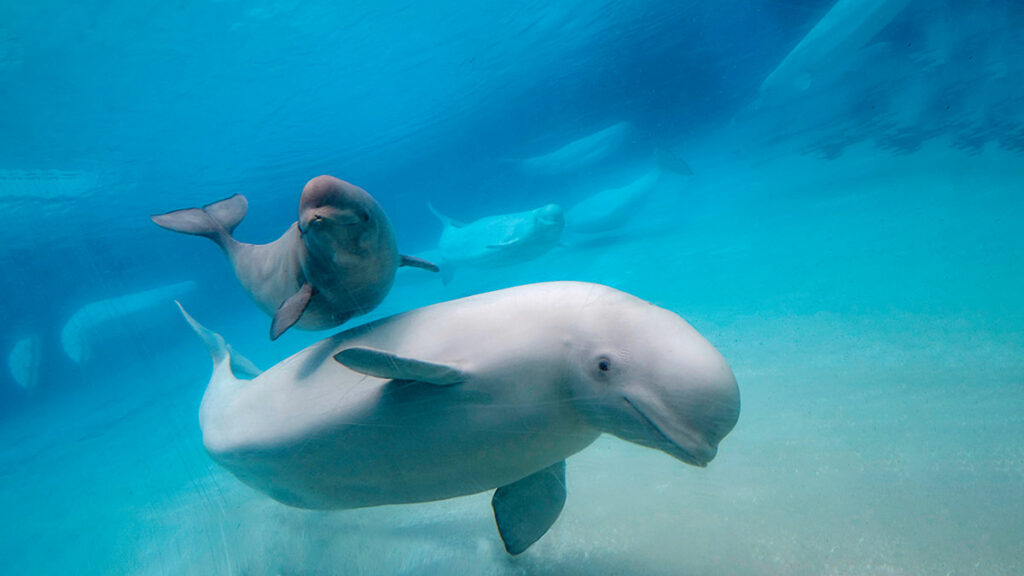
414 262
525 509
291 310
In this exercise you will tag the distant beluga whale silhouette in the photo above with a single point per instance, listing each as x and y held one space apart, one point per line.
336 262
93 323
845 28
24 361
498 240
610 209
493 391
581 153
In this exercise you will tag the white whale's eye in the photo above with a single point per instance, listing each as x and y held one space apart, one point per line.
602 368
608 366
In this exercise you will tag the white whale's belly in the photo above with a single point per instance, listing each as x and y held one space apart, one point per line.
311 433
365 465
409 442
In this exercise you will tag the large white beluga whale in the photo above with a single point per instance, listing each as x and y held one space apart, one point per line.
336 262
488 392
848 26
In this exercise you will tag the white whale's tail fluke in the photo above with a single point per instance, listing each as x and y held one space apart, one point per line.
215 221
226 361
669 161
444 219
24 361
447 221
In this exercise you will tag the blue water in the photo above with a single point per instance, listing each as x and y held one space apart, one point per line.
851 246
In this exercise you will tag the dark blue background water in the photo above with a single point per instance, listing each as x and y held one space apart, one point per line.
171 105
175 105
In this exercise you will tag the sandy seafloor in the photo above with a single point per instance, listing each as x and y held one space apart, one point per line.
870 308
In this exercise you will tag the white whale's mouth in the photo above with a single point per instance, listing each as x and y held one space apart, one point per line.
689 450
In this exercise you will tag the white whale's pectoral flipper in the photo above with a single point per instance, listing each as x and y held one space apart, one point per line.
387 365
525 509
505 244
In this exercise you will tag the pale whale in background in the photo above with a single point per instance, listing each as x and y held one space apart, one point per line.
611 209
24 361
582 153
91 321
493 391
848 25
336 262
499 240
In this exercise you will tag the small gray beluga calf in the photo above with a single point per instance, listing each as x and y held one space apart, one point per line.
488 392
336 262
